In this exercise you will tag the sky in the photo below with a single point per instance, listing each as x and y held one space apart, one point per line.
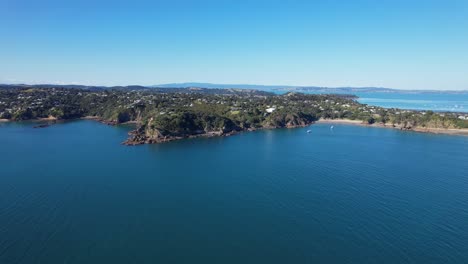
411 44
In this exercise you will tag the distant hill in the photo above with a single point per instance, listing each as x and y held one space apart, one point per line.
221 86
192 87
202 90
73 86
288 88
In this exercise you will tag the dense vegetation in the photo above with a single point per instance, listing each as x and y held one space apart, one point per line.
175 113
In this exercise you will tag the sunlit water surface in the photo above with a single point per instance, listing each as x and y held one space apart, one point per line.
70 193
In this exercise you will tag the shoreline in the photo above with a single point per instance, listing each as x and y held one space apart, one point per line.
56 120
446 131
132 140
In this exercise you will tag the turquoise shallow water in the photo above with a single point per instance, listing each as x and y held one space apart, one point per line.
71 193
418 101
440 102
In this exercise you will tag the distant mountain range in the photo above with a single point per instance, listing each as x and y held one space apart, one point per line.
199 90
222 86
205 87
289 88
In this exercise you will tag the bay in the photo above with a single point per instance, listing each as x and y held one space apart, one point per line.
70 193
440 102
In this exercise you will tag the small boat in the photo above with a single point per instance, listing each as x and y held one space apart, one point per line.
331 128
308 131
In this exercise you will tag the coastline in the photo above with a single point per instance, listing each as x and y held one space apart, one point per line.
446 131
55 120
42 119
135 138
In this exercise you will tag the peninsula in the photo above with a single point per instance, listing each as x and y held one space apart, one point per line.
166 114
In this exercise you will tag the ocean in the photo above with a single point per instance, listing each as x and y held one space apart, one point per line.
439 102
71 193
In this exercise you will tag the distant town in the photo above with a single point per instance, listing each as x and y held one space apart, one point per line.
165 114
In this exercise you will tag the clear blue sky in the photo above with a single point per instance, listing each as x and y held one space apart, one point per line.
389 43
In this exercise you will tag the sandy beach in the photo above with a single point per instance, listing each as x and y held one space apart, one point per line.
49 118
342 121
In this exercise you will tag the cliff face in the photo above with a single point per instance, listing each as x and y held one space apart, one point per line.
278 120
186 125
157 131
145 134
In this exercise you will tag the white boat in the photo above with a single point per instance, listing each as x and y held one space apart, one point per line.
308 131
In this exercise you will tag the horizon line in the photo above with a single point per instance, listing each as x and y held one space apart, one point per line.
184 85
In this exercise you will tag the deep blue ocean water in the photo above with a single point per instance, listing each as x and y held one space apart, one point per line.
70 193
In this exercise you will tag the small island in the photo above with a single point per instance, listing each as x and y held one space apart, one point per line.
167 114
